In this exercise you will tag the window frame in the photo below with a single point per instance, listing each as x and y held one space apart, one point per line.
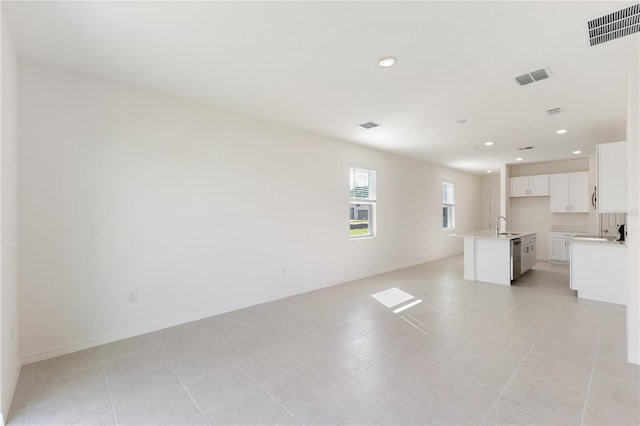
370 200
449 205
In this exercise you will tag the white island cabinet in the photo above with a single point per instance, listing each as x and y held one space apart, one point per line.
488 257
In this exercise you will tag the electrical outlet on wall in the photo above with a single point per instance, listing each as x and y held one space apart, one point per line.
133 296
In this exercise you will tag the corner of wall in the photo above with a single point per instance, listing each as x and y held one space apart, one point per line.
10 361
633 218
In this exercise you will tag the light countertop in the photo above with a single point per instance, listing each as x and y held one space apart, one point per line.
570 228
491 234
600 242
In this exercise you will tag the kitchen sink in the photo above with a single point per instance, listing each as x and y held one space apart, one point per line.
507 234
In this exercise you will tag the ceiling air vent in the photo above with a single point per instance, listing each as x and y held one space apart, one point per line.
368 125
614 25
556 110
532 76
525 148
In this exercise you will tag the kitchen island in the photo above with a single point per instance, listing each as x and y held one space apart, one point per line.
489 257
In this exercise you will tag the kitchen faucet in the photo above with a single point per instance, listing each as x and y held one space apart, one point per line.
498 224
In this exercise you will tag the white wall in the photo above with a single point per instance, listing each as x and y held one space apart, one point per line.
197 209
489 219
9 357
633 242
549 167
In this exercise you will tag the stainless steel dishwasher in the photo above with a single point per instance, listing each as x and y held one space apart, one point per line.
516 258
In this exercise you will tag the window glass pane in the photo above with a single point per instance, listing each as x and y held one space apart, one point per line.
448 217
448 193
362 184
360 219
362 192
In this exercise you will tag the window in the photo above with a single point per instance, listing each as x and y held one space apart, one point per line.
362 204
448 205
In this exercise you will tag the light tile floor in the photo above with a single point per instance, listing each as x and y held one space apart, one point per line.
471 353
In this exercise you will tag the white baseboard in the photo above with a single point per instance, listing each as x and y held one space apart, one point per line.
79 345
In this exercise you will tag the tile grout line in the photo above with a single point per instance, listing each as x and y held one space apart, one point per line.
456 357
593 368
268 393
418 321
521 363
180 380
303 365
106 381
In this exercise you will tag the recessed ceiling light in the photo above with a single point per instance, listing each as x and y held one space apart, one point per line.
561 131
577 152
489 171
488 143
519 159
387 62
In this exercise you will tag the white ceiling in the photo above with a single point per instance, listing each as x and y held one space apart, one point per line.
313 66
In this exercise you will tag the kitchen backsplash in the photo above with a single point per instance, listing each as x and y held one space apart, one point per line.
610 221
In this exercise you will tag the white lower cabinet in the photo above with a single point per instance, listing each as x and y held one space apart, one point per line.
559 247
529 255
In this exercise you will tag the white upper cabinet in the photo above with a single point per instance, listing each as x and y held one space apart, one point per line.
559 188
529 186
569 192
539 186
579 195
612 177
519 186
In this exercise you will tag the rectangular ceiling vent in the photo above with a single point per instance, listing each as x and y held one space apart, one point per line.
618 24
368 125
532 76
556 110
